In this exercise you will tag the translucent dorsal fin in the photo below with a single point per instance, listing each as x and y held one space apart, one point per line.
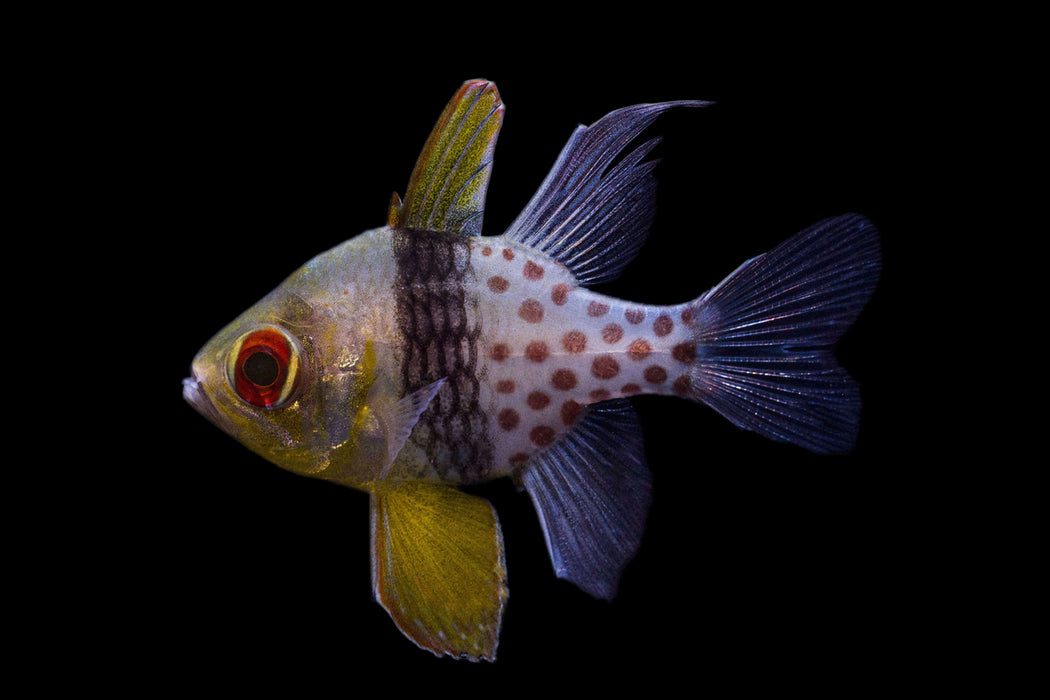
592 214
448 185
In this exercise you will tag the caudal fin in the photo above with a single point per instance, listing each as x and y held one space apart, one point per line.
765 336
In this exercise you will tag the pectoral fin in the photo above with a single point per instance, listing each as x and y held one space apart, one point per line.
382 425
448 185
438 568
404 415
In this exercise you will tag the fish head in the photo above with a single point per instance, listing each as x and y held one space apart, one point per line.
266 377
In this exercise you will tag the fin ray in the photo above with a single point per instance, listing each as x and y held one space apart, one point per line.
450 180
765 336
592 492
590 214
403 418
438 567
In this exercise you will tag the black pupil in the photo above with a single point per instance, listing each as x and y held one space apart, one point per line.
261 369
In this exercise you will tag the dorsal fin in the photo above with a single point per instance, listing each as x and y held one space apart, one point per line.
450 179
590 215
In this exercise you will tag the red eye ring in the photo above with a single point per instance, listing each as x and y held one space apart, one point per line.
264 366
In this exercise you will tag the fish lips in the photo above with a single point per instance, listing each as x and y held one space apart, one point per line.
193 393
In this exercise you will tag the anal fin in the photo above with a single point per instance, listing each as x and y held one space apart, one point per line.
592 492
402 418
438 567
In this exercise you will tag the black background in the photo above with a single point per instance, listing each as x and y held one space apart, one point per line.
240 150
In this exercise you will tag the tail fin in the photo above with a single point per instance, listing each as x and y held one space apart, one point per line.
765 336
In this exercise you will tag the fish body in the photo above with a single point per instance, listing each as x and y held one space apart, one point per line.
422 355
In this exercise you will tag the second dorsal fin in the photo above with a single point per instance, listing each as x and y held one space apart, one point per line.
450 179
592 212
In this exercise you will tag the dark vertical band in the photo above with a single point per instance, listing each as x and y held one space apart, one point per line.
437 314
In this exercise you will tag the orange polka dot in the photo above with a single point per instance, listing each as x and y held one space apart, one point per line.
533 271
486 251
508 419
508 254
560 294
537 351
634 316
612 333
639 349
632 388
542 435
683 385
597 309
498 284
570 411
531 311
564 379
574 342
605 367
684 352
655 374
500 352
538 401
600 395
663 325
505 386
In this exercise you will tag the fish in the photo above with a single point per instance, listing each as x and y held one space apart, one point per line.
424 356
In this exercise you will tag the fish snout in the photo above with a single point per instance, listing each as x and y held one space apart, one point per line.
193 394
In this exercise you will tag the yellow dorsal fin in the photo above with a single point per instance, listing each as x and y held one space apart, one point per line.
438 568
393 216
450 179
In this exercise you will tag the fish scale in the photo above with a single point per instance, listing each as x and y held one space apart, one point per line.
422 355
437 309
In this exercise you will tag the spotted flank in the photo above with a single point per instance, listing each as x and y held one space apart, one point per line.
570 348
423 355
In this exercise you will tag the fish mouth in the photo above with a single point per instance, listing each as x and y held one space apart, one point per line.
193 393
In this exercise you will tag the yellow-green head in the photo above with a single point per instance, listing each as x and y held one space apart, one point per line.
290 384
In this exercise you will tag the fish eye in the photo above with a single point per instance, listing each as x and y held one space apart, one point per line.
263 367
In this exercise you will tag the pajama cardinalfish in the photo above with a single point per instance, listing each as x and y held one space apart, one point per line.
421 356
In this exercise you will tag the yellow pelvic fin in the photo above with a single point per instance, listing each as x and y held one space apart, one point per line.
438 567
448 185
